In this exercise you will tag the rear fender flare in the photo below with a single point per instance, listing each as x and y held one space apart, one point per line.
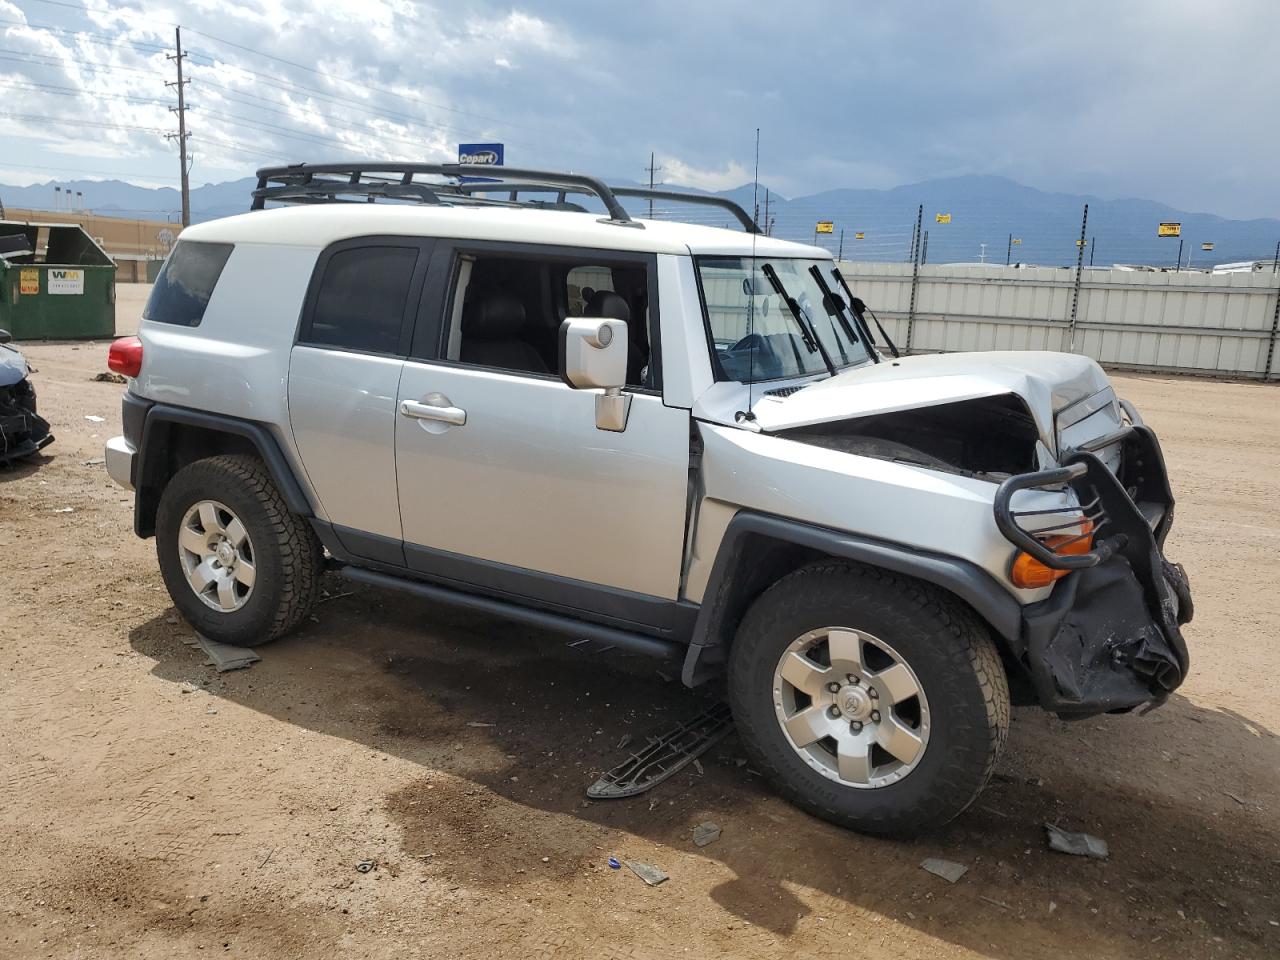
155 464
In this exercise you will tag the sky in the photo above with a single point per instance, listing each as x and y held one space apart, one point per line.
1171 101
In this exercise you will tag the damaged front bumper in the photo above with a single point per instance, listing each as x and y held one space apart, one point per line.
1107 638
23 432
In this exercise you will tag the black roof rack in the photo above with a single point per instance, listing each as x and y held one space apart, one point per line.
513 190
368 181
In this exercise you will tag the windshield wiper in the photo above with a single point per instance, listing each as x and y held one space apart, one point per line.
809 335
853 305
835 305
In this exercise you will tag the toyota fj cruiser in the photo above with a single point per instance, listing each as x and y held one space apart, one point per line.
674 438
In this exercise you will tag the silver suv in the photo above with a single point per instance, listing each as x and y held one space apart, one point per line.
679 439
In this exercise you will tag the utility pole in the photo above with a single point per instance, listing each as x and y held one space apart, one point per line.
182 135
652 170
840 255
1008 253
1092 244
982 250
1178 267
1275 264
924 249
766 212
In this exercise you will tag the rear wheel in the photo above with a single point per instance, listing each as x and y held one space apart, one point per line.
871 700
239 566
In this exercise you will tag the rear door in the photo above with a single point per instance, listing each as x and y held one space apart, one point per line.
344 374
510 485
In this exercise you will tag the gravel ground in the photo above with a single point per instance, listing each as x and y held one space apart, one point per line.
150 807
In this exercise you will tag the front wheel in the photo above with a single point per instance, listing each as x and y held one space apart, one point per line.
871 700
239 566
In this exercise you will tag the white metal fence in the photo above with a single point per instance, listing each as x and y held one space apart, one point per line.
1189 322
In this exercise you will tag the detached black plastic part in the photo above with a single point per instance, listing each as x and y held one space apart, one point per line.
1108 638
23 432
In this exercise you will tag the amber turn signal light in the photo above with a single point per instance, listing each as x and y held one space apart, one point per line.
1029 573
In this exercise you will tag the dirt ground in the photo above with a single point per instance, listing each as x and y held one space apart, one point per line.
151 808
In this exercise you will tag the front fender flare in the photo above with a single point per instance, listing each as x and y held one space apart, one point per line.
723 605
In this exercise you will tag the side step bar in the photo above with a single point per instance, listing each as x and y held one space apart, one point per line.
622 639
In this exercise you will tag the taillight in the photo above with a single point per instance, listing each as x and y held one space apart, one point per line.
125 356
1028 572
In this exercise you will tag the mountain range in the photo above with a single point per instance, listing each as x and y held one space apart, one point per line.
984 210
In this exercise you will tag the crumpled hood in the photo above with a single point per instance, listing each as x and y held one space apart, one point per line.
13 366
1048 382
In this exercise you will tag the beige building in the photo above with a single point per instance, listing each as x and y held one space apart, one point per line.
130 243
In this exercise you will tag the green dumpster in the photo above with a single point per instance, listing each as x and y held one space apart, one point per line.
56 283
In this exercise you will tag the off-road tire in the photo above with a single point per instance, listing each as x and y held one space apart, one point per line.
943 641
287 554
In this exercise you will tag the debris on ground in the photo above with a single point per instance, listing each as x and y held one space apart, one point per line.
646 872
1076 844
223 656
93 418
615 863
478 723
705 833
364 866
65 510
109 378
624 740
1238 799
665 755
95 462
948 870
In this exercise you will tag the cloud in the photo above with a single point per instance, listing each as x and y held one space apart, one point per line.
1151 98
675 170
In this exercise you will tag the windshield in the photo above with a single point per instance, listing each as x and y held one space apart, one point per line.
756 335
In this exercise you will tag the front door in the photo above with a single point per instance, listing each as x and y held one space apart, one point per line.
504 478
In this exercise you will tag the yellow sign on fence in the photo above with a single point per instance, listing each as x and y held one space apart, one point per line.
859 235
1081 243
825 226
1016 241
28 282
942 217
1207 245
1169 230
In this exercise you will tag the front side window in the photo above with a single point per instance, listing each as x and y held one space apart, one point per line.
361 300
186 281
756 334
507 310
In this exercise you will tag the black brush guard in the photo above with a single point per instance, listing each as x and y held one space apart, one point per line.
1107 638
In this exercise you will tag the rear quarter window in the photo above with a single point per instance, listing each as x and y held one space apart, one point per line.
186 283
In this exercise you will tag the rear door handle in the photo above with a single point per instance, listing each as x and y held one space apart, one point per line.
434 406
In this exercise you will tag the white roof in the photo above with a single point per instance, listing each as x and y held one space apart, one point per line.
318 225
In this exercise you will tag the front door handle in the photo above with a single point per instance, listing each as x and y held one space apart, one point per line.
434 406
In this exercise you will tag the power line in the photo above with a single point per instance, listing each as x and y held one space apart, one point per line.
80 122
80 92
41 168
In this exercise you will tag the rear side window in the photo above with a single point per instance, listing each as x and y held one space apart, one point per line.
186 283
360 303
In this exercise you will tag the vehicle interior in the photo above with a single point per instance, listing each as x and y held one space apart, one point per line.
506 311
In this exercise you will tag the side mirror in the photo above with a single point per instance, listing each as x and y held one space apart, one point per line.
5 336
593 354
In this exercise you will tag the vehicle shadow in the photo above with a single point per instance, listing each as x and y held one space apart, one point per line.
533 721
21 469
